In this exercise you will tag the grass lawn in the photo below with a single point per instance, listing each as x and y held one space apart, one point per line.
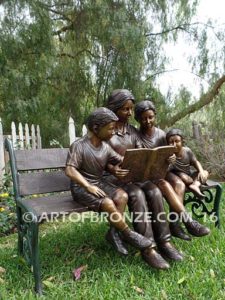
66 246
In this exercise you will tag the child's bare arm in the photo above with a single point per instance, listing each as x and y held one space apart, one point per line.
202 174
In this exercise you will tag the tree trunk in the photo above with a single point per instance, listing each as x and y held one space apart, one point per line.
204 100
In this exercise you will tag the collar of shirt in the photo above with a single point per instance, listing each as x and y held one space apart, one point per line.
126 131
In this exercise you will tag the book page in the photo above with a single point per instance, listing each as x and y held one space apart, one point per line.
146 164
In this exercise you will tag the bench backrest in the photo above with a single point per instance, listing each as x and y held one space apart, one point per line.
38 171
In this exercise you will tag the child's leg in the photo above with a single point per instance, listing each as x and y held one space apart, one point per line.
195 176
177 185
120 199
174 197
185 178
116 220
171 196
195 187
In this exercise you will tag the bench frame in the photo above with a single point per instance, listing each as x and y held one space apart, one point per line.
29 184
29 211
208 206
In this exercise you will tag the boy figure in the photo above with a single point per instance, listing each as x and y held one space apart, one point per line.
86 161
185 158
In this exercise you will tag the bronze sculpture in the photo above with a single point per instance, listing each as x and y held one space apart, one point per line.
85 164
173 188
185 158
143 197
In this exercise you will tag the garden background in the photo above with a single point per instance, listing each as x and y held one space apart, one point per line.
60 59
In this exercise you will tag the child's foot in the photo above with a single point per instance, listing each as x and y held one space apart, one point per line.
196 190
113 238
135 239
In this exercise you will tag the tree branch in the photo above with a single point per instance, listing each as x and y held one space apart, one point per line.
184 28
174 70
204 100
63 29
54 11
80 52
179 27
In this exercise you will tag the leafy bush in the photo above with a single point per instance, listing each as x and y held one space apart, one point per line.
211 152
7 208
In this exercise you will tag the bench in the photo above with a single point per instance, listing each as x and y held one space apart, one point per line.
38 171
41 172
209 205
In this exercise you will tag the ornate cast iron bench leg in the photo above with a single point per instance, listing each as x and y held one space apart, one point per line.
20 231
28 247
200 207
35 257
218 195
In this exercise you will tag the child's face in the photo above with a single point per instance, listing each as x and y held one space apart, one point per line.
147 119
176 141
106 132
125 112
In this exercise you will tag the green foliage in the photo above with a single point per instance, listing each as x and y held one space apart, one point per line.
62 59
68 245
7 208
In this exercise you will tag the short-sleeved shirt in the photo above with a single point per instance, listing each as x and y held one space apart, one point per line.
89 160
156 140
121 141
184 163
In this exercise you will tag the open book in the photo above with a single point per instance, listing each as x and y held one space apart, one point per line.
146 164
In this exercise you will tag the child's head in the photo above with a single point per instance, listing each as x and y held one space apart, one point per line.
121 102
144 113
175 137
102 122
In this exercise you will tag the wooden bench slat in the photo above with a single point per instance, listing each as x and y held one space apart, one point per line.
40 159
43 182
52 204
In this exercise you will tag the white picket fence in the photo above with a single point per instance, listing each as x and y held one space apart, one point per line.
72 131
23 138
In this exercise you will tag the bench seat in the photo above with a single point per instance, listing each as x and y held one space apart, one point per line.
51 204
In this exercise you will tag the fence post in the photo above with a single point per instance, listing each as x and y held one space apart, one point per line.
27 137
13 133
21 142
33 139
2 160
72 131
195 129
84 130
39 146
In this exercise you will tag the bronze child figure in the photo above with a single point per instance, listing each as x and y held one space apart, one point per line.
185 158
86 161
172 187
143 198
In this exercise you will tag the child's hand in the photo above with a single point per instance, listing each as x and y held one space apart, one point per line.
202 176
172 159
93 189
120 173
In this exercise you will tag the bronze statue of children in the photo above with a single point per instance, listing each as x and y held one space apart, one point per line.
172 188
144 197
185 158
86 161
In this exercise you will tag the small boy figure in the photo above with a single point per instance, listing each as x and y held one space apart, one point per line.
185 158
86 161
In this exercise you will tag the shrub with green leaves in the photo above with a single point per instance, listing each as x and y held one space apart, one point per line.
7 208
